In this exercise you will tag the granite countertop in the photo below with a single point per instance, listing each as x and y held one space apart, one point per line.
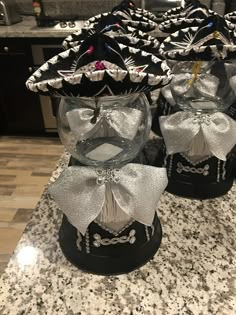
28 28
193 273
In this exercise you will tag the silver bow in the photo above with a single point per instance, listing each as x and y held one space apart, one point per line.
195 86
85 122
217 130
80 192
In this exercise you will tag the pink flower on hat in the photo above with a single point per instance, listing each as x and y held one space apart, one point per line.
99 65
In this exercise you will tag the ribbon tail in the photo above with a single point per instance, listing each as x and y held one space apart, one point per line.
78 196
139 191
178 131
220 135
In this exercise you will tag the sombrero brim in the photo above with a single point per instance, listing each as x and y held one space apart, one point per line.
231 17
137 40
174 13
177 46
144 72
180 13
143 24
171 26
147 14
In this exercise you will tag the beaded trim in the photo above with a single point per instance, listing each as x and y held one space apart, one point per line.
200 170
87 245
147 233
99 241
218 171
170 166
224 170
197 162
107 175
111 231
79 240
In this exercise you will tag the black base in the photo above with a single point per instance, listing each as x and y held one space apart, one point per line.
199 190
112 259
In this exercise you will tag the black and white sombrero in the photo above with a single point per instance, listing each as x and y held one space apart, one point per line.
100 66
112 26
130 7
211 40
181 11
131 18
194 16
231 17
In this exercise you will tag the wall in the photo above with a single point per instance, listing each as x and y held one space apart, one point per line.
82 8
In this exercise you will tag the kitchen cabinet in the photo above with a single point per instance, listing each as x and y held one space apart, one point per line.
20 111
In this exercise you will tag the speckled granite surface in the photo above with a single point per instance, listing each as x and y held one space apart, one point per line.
28 28
193 273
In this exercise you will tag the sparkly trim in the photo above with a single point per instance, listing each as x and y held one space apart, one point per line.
105 175
218 171
194 170
224 170
111 231
79 240
153 229
87 245
147 233
197 162
170 166
99 241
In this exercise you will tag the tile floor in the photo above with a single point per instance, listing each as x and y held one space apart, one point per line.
26 165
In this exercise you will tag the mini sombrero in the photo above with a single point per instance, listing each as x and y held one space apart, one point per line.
195 15
180 11
130 7
134 20
100 66
211 40
112 26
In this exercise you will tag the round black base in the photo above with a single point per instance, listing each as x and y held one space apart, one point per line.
199 190
112 259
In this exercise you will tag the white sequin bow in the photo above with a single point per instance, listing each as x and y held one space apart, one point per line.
80 192
217 131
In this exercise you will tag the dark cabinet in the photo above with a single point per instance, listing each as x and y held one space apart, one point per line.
20 111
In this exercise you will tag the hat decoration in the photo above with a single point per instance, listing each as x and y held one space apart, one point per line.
211 40
112 26
100 66
194 15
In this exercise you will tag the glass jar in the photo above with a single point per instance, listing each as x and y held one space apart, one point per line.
104 131
204 86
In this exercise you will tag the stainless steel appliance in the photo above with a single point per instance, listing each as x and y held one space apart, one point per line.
49 104
8 13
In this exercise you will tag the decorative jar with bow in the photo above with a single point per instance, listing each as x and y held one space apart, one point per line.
110 225
200 137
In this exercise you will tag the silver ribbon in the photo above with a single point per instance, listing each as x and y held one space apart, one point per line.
182 128
80 192
204 85
84 122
